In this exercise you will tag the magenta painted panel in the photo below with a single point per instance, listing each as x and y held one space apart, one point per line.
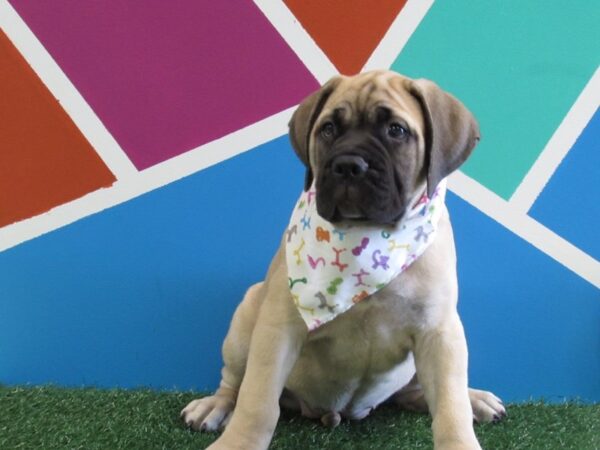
167 76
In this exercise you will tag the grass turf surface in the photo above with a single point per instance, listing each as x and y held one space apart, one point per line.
55 418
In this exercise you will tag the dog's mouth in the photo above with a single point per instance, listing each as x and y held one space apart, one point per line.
352 216
370 198
346 204
348 216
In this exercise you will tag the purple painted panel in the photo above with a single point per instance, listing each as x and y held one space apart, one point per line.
165 77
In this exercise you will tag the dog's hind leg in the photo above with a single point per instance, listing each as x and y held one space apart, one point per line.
213 412
411 397
486 406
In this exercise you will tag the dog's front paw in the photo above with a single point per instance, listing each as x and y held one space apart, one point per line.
208 413
486 406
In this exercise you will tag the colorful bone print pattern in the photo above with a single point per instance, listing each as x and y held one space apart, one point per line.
331 268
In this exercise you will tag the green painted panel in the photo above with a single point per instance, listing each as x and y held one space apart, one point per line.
517 64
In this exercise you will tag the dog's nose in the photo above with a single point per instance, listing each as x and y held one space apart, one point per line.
349 166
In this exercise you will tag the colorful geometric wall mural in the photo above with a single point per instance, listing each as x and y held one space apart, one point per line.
135 141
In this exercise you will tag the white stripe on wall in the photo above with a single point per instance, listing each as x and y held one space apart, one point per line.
318 62
558 146
394 40
141 182
298 39
525 227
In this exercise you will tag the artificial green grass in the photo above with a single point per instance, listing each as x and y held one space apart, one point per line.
55 418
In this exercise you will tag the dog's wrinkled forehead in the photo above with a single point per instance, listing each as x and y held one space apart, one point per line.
364 98
441 124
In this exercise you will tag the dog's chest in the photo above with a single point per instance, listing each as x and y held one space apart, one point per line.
378 331
359 359
370 338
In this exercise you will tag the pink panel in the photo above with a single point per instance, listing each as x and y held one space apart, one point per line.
165 77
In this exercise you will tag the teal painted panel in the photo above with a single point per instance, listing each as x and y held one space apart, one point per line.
518 65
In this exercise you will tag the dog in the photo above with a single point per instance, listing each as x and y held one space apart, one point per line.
377 148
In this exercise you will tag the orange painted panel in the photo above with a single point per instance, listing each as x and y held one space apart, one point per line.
44 159
346 30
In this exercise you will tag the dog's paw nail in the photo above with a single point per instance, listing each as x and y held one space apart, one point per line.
203 427
188 423
497 418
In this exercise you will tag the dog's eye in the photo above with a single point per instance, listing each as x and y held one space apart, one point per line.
328 129
396 130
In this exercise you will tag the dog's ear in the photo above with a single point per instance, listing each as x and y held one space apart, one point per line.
451 131
303 121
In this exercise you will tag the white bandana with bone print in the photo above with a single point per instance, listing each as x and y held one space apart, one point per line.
332 268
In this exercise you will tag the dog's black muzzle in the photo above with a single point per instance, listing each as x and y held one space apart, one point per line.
357 181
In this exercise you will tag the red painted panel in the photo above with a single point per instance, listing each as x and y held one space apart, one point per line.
346 30
44 159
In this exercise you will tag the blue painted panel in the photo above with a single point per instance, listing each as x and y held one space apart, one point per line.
569 204
142 294
531 324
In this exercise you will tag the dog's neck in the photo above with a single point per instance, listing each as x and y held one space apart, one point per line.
334 266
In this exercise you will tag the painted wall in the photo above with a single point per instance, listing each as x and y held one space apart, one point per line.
136 142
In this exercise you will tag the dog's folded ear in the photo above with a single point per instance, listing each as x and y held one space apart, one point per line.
451 131
303 121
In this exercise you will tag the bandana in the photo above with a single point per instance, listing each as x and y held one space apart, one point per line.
333 267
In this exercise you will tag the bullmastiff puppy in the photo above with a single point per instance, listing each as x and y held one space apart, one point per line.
377 148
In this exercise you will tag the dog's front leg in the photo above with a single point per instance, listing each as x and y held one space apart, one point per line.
274 348
441 361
